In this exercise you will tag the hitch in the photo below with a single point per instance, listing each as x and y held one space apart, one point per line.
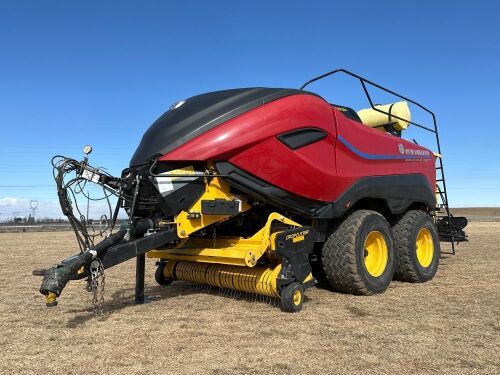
111 251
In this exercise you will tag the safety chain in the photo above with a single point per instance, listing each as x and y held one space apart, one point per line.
96 273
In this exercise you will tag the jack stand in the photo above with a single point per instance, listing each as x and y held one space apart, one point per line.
139 279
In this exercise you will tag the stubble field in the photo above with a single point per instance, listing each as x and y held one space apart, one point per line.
449 325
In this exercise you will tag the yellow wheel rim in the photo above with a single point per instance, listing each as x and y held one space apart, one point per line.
297 297
425 247
376 253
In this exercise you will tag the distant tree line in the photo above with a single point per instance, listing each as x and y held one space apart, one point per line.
31 220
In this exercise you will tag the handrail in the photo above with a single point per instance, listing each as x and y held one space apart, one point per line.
365 81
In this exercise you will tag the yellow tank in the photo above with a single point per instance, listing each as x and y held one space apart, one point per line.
375 119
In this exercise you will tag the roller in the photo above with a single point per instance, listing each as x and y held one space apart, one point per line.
256 280
376 119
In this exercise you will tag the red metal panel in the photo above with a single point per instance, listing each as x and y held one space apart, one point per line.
249 141
364 151
351 150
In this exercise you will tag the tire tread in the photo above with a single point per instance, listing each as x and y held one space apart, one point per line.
403 232
339 256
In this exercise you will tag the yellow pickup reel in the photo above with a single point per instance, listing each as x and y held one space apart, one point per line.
274 262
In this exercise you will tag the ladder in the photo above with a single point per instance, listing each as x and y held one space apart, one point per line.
442 195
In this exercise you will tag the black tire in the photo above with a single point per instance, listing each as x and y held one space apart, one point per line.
292 297
406 230
343 254
317 267
160 276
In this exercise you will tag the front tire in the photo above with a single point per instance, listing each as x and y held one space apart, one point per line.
292 297
160 277
358 256
416 247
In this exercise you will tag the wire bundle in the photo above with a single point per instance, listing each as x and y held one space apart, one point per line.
70 183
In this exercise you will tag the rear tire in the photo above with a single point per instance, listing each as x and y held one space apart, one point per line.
358 256
417 247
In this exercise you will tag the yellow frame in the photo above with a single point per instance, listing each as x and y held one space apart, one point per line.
235 251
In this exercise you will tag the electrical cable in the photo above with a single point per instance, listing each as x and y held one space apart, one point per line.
70 186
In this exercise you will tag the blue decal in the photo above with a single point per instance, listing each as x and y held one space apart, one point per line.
380 156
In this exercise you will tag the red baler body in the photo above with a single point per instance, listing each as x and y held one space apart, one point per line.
320 171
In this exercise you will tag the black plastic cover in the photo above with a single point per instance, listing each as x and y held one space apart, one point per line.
177 194
398 191
220 207
348 112
266 192
199 114
295 246
302 137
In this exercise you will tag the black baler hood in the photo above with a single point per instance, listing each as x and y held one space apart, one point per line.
199 114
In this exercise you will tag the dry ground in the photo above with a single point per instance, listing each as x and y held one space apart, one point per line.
478 213
450 325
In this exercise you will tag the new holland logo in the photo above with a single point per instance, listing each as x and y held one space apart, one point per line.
401 149
412 152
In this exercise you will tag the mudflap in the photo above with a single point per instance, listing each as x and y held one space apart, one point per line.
295 246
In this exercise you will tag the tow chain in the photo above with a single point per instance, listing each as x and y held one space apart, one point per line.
97 284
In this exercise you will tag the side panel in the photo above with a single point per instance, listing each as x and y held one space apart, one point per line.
327 170
198 114
250 142
363 151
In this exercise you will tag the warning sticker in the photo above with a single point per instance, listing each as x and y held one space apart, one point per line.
165 183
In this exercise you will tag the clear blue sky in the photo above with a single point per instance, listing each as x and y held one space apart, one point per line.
73 73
